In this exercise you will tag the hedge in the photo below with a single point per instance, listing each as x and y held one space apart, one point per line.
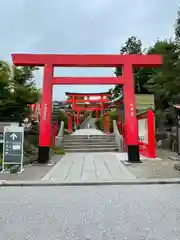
100 122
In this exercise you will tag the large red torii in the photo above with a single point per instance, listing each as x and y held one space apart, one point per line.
127 62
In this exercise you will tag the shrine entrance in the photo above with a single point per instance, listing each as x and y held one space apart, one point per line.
87 102
127 62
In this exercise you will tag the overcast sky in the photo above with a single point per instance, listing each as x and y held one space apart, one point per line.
81 26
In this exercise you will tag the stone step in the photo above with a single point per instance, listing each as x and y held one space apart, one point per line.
92 150
86 142
86 135
89 141
68 142
66 137
82 146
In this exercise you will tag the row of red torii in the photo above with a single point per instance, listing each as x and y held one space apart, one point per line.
147 139
89 102
127 62
83 102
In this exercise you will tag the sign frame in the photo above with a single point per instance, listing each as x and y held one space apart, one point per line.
13 130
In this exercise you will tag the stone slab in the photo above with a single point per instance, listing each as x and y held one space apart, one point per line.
79 167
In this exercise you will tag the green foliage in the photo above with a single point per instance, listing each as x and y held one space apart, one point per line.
94 114
100 122
64 118
112 117
177 27
97 123
133 46
58 151
163 82
17 89
1 149
160 117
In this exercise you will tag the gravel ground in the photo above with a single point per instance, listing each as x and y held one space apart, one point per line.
81 213
163 168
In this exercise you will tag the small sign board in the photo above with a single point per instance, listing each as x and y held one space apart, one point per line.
13 146
5 124
1 138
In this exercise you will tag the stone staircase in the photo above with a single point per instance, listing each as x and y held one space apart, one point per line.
92 143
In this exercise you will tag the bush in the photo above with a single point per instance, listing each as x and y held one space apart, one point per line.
1 149
160 118
58 151
97 123
100 122
64 118
94 114
112 117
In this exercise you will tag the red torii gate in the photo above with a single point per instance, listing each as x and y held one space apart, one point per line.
75 99
127 62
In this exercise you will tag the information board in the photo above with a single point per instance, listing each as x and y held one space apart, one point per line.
13 146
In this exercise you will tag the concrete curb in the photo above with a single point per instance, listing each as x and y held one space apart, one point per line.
42 183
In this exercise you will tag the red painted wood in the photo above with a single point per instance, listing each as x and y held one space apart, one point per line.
94 60
87 80
148 149
50 60
86 94
130 107
46 108
151 134
86 101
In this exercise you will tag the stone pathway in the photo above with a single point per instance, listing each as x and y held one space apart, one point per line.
90 123
89 167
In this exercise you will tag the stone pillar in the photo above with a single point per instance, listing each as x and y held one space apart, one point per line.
70 127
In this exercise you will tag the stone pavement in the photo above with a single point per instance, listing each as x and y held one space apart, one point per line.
89 167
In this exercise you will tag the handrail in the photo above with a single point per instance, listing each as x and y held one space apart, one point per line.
57 134
85 121
118 136
61 132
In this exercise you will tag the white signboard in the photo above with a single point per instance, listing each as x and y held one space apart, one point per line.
143 130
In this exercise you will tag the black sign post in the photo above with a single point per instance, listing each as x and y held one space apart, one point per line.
13 146
1 137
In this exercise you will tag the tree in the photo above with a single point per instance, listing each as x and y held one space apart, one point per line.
132 46
18 89
164 81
